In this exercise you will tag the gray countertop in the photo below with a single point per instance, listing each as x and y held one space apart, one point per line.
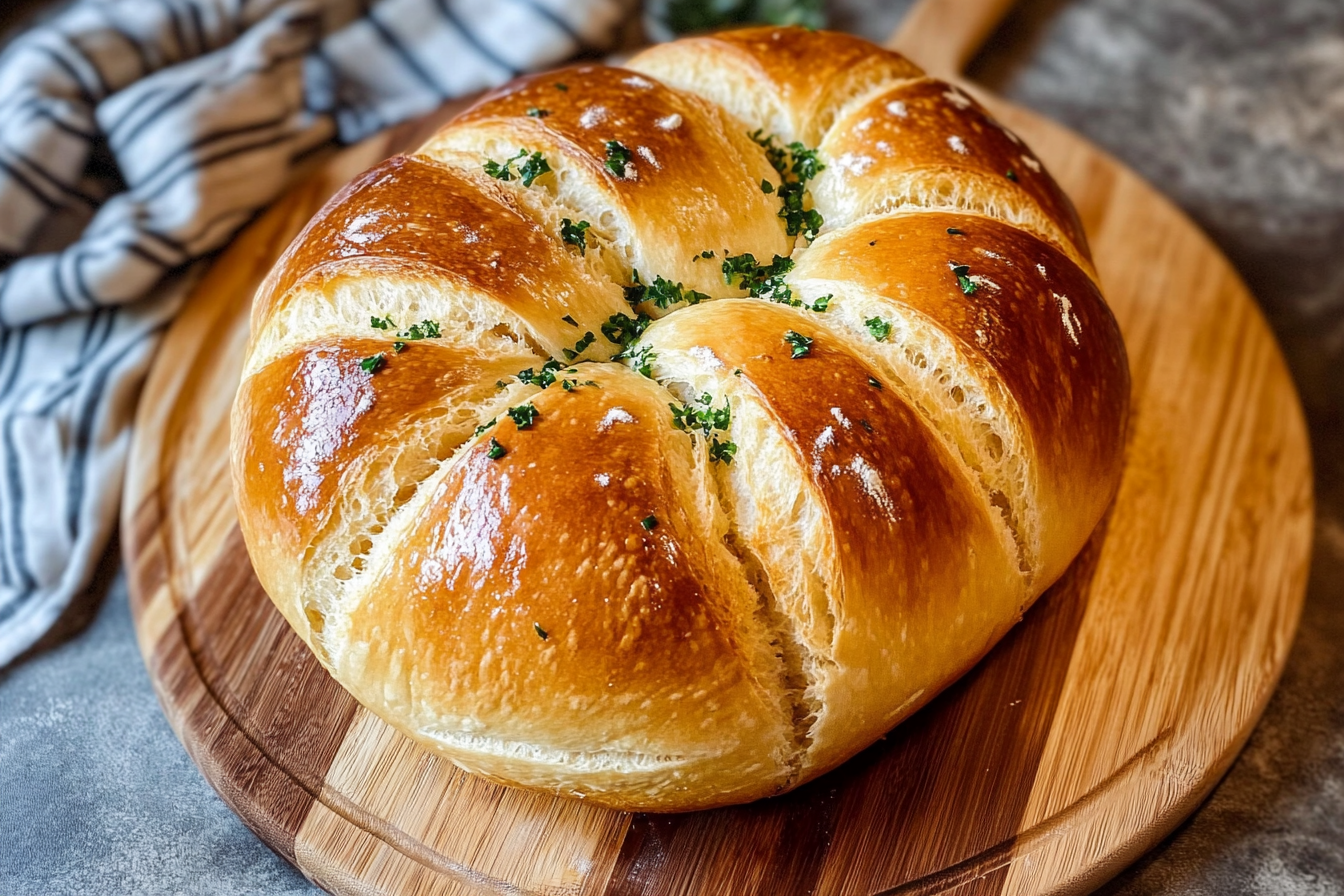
1235 109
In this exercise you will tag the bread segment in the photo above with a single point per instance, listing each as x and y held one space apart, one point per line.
326 453
889 564
927 144
592 639
692 183
413 240
1026 344
785 81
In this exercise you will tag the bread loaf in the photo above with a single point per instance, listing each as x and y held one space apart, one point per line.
663 435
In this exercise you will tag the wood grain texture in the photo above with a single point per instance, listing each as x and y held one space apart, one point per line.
1085 736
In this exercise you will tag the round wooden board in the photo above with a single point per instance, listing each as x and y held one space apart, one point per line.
1097 724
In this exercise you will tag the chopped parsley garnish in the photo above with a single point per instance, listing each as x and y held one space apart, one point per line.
578 349
426 329
373 363
868 427
622 330
649 523
821 303
533 166
573 234
798 220
496 450
872 381
571 385
524 415
806 165
642 360
541 632
802 345
796 165
766 281
963 275
766 187
563 88
569 320
618 158
954 231
1011 175
543 379
702 416
382 323
500 384
534 112
661 292
708 253
721 452
484 426
880 328
398 346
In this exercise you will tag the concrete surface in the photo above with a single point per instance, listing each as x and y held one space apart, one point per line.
1234 108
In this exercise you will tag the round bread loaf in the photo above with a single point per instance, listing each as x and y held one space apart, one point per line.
663 435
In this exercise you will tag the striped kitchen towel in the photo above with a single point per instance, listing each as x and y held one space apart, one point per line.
136 137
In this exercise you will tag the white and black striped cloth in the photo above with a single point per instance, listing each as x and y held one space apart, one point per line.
136 137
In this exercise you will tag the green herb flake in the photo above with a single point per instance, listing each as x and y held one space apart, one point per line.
766 187
649 523
618 158
373 363
954 231
880 328
545 378
1011 175
805 165
500 384
382 323
761 281
642 360
563 88
621 329
722 452
569 320
963 274
524 415
541 632
496 450
702 416
426 329
802 345
868 427
574 234
534 112
533 166
579 347
484 426
872 381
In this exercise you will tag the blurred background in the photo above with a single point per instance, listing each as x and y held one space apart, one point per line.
1232 108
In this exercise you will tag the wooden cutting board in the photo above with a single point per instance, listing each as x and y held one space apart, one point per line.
1099 723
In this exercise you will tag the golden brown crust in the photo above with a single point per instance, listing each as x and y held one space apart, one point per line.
1038 323
716 580
789 81
913 554
691 182
900 146
415 219
559 613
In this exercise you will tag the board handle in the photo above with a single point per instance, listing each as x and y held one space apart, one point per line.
944 35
